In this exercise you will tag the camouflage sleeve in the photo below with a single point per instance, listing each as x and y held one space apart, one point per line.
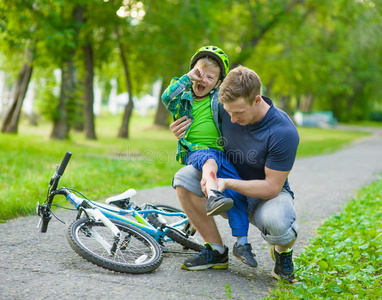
171 97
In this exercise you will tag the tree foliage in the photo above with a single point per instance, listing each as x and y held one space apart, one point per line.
311 55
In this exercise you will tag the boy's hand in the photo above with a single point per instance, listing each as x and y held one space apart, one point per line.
196 74
179 126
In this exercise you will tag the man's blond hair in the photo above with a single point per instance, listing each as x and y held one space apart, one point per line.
240 82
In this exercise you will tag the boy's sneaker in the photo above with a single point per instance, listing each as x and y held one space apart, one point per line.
206 259
283 269
244 254
218 203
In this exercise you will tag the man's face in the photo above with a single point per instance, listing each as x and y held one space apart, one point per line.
241 112
209 81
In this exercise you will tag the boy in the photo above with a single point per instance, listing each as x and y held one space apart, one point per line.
195 95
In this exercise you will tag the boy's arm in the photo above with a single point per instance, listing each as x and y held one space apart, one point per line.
172 95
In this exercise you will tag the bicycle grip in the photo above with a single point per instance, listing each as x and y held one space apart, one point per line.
64 163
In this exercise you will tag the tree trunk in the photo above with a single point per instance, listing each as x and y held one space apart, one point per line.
162 115
124 129
309 98
12 114
284 104
89 94
60 124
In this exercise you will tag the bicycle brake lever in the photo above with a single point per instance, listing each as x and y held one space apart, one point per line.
39 223
54 176
38 211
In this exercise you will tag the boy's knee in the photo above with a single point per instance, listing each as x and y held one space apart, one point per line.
210 162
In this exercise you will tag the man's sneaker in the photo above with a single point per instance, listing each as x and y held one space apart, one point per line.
244 254
284 268
218 203
206 259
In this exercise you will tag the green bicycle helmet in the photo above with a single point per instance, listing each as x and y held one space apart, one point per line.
215 53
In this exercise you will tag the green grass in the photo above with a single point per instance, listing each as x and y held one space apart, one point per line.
345 260
108 165
97 168
317 141
368 124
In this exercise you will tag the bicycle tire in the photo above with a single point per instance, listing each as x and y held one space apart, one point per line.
136 253
188 242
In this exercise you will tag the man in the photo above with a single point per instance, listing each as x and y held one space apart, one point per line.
261 141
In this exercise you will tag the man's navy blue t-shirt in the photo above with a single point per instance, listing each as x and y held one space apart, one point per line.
270 143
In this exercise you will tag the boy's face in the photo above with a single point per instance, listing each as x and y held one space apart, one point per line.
208 82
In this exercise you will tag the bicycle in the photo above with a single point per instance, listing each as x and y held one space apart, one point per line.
118 235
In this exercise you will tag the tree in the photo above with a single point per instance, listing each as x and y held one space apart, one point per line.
12 114
18 44
87 48
72 19
124 128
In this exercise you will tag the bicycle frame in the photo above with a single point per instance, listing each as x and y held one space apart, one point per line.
137 217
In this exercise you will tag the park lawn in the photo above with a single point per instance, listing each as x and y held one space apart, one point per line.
344 261
108 165
318 141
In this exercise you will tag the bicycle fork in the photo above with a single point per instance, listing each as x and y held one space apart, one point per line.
96 215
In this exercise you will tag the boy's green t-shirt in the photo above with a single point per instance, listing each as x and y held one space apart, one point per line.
203 130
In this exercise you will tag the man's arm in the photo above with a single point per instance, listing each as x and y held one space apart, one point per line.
265 189
179 126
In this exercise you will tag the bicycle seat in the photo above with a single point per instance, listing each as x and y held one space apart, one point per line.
124 196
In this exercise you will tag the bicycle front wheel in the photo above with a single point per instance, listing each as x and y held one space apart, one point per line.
136 252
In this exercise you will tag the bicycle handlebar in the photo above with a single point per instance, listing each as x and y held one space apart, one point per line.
64 163
44 210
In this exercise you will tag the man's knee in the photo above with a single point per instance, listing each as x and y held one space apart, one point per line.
276 223
189 178
276 219
282 235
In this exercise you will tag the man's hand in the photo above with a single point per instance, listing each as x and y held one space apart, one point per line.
179 126
196 74
220 187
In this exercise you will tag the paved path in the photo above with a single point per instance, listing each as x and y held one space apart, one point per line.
40 266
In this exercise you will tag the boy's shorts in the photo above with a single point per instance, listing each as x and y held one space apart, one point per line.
197 158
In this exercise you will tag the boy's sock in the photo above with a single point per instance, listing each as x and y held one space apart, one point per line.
218 247
286 251
242 240
211 193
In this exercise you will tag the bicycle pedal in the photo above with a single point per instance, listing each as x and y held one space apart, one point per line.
189 229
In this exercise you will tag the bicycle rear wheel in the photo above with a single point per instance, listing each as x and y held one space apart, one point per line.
136 252
189 240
